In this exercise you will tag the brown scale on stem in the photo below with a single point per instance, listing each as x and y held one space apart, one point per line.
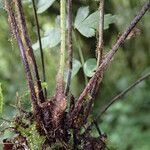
29 51
15 30
101 69
50 114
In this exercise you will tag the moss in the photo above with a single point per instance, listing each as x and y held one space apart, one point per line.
34 139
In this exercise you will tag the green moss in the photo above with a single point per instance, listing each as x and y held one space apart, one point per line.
34 139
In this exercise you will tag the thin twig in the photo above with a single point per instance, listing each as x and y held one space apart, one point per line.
122 94
99 51
100 70
40 44
26 41
97 127
117 98
70 51
101 31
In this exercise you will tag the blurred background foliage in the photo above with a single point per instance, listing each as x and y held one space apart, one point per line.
127 123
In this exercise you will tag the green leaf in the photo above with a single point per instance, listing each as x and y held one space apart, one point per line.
1 4
109 19
51 39
76 67
43 5
88 25
90 67
1 99
81 15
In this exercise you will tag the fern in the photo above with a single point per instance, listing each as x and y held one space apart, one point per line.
1 99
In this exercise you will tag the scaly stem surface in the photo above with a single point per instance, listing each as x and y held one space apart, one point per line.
60 102
28 47
100 70
15 30
70 51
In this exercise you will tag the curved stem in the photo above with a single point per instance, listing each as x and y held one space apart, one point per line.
122 94
101 69
117 98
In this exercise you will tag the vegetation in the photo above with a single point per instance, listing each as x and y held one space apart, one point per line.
72 74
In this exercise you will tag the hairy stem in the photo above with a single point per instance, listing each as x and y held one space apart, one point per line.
100 70
40 43
70 51
63 36
101 32
29 50
60 102
118 97
15 31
